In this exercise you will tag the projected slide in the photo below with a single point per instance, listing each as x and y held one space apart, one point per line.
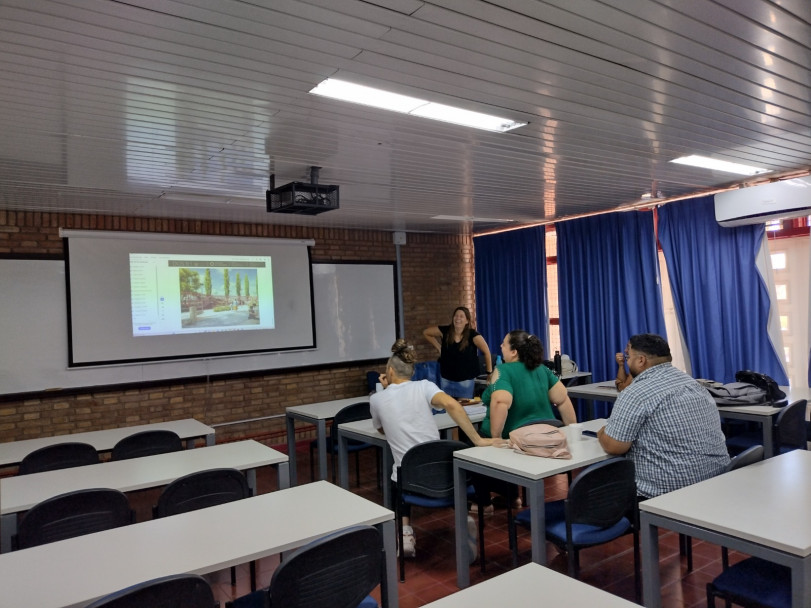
183 294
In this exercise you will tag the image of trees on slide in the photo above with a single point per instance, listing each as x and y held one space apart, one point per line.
218 297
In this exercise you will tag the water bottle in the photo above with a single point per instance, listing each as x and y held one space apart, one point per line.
498 359
558 365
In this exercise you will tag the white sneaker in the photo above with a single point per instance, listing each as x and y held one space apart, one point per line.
409 542
472 538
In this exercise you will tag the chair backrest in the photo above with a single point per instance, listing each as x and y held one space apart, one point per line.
427 468
147 443
73 514
200 490
337 571
550 421
59 456
350 413
748 456
603 493
789 428
175 591
427 370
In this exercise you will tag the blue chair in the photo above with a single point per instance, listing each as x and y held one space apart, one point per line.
789 432
350 413
752 583
175 591
58 456
337 571
601 506
425 479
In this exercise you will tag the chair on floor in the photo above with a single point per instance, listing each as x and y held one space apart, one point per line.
59 456
752 583
201 490
788 428
425 479
72 514
350 413
175 591
337 571
146 443
601 506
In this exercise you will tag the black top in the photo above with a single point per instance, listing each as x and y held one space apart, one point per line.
456 364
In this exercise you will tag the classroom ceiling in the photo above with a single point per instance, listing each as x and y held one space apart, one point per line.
184 108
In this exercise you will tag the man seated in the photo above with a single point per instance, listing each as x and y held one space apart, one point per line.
403 413
665 421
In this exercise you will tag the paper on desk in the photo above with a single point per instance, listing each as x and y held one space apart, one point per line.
472 410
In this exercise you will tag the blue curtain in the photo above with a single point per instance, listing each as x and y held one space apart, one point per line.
511 285
721 300
609 288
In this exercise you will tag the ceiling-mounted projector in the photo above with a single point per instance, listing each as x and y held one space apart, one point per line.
302 198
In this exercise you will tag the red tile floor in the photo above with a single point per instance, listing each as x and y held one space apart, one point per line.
432 574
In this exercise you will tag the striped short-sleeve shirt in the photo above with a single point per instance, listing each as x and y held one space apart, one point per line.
674 429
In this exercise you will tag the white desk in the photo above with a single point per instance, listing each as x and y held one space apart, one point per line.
20 493
363 430
527 471
76 571
12 452
317 414
531 585
760 510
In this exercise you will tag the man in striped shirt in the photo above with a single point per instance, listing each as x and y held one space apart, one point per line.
665 422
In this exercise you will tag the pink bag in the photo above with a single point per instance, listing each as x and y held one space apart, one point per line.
540 440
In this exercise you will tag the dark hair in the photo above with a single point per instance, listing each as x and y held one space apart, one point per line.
529 347
465 341
650 344
402 359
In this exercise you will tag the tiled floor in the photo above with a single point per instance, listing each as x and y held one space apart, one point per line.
432 574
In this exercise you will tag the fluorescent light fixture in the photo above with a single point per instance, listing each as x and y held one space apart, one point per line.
369 96
774 225
704 162
468 218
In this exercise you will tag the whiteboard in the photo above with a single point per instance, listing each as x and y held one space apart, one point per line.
355 320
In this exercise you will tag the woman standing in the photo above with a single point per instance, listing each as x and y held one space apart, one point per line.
458 345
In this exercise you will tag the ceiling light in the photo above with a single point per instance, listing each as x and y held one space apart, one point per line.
369 96
774 225
714 164
468 218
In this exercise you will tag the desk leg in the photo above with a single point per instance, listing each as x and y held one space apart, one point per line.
8 528
800 581
283 475
537 517
460 525
210 440
291 448
343 462
388 588
649 538
250 475
768 437
388 464
321 438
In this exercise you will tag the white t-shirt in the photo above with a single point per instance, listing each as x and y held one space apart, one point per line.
403 411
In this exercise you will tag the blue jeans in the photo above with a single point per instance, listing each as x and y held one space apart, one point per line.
458 390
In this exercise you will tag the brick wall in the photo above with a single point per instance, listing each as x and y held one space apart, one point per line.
437 276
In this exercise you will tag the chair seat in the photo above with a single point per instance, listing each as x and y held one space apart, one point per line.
261 599
738 443
427 501
582 534
756 580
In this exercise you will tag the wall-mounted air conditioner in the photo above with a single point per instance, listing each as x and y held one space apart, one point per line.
759 204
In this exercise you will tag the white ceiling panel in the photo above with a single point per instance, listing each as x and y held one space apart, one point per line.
181 108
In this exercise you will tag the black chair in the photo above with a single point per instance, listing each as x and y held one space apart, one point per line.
59 456
425 479
201 490
146 443
337 571
752 583
600 507
175 591
789 432
350 413
72 514
745 458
